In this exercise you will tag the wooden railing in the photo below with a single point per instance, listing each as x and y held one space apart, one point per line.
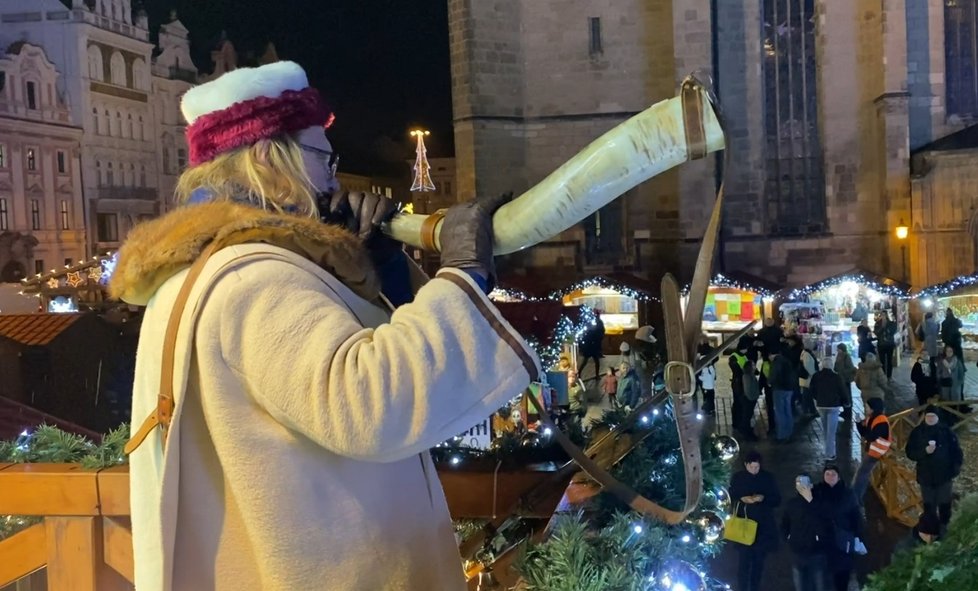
895 479
84 540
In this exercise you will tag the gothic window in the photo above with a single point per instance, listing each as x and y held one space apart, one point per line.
603 234
795 185
594 36
181 158
95 67
117 67
961 57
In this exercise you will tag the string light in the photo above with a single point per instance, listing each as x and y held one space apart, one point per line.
721 281
604 283
948 287
97 269
860 279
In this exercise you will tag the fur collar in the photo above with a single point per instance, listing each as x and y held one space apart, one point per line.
157 250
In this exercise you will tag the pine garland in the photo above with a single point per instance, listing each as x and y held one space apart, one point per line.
951 563
48 444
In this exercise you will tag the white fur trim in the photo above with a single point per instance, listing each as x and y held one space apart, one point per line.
240 85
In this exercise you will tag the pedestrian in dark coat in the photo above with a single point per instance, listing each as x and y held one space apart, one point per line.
757 490
847 370
807 533
829 392
927 531
938 454
951 333
924 381
590 346
839 508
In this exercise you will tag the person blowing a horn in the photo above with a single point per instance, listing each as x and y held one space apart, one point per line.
282 412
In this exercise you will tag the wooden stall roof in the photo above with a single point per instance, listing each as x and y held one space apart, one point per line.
881 283
35 329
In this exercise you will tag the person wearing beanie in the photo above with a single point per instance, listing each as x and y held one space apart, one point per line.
840 512
875 431
804 528
289 400
935 448
783 379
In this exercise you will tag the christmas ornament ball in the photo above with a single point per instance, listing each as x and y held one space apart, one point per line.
530 439
678 574
709 524
726 446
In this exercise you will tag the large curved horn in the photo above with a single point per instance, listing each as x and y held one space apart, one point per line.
663 136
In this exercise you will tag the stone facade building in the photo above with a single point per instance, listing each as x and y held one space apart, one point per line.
122 95
42 222
825 102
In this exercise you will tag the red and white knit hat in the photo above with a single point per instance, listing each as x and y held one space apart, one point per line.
247 105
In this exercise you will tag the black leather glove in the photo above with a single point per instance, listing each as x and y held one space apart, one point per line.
363 213
466 236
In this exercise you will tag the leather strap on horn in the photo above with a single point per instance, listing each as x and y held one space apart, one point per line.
693 119
429 241
609 483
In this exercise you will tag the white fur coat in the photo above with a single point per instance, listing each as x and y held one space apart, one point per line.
296 458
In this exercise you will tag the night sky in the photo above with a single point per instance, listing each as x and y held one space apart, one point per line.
383 65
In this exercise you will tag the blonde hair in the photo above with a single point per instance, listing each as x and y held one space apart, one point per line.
270 173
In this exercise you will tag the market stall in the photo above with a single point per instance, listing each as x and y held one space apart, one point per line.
623 300
732 301
827 313
959 295
77 287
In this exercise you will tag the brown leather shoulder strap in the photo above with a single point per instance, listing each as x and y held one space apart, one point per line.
164 402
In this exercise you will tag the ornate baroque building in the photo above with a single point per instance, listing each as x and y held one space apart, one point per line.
826 102
123 92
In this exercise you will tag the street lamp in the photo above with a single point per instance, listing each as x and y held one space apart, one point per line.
902 231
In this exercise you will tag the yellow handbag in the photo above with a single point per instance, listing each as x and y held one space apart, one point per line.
740 529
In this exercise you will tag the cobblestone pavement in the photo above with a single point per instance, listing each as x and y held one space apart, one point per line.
804 454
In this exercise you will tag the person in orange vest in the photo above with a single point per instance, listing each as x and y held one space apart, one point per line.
875 430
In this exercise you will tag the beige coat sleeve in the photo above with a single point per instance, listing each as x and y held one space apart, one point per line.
442 363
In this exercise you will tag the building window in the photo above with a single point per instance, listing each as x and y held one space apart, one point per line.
961 57
95 126
3 155
68 262
117 69
132 130
117 128
95 71
110 176
108 227
31 95
142 130
62 162
166 160
795 185
603 235
4 221
35 214
108 123
181 158
65 218
142 176
594 36
39 266
31 159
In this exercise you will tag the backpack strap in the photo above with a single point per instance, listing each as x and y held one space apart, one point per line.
163 414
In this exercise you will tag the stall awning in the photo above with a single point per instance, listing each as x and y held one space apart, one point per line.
881 283
743 281
963 285
624 283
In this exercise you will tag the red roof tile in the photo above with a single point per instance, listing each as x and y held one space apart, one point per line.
35 329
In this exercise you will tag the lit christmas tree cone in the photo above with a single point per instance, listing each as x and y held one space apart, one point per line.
662 137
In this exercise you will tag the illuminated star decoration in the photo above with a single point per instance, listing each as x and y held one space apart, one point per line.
95 273
54 283
75 279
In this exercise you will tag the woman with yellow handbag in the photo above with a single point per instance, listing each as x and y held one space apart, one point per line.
756 494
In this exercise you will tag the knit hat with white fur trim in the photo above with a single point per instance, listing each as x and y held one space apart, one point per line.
247 105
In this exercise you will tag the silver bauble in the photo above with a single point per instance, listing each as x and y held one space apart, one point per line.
717 500
678 574
530 439
726 447
708 524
